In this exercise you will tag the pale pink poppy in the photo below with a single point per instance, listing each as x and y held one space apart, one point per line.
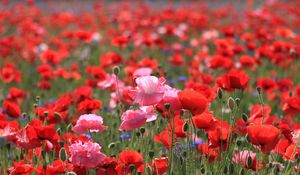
132 119
150 113
149 91
145 71
241 157
89 122
86 154
109 81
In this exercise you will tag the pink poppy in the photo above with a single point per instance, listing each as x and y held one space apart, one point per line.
90 122
109 81
132 119
86 154
242 158
150 113
149 91
145 71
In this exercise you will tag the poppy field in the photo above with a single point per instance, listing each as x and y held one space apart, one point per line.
149 87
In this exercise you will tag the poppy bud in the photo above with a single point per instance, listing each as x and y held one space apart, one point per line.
242 172
167 106
62 154
142 130
225 170
231 103
37 98
237 101
57 115
245 117
71 173
111 145
132 168
116 70
186 126
35 105
231 168
138 134
258 90
220 93
46 113
249 161
151 154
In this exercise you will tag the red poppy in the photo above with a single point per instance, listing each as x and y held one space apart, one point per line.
193 101
265 136
234 79
292 105
21 168
159 165
128 158
211 153
58 167
204 120
110 59
12 109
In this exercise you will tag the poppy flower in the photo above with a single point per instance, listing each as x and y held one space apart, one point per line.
132 119
21 168
211 153
204 120
265 136
165 138
234 79
193 101
128 158
159 165
241 157
110 59
89 122
149 91
86 154
108 167
58 167
11 109
89 106
292 105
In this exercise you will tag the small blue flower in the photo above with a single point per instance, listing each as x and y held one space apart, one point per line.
106 109
171 82
87 135
182 78
125 135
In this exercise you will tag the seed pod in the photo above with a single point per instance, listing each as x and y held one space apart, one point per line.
231 103
62 154
111 145
142 130
245 117
116 70
258 90
151 154
231 168
249 161
57 115
167 106
186 126
225 170
242 172
220 93
238 101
